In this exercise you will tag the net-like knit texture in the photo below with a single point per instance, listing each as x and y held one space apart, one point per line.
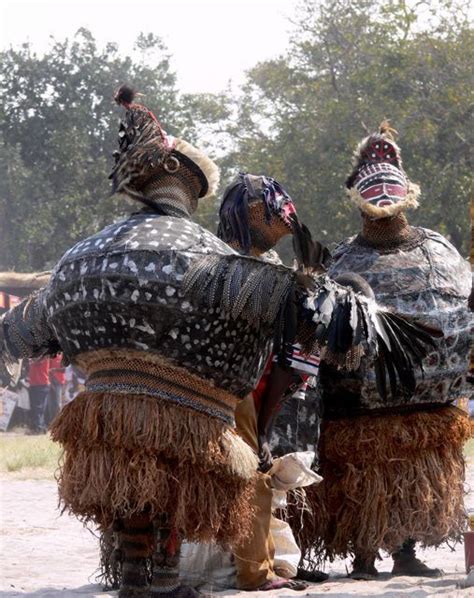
428 281
122 288
136 373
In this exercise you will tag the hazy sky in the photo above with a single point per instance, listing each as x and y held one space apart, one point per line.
211 41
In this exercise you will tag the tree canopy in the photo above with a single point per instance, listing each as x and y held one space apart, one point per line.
351 64
58 132
298 118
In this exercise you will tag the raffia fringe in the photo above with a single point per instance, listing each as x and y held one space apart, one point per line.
385 480
127 454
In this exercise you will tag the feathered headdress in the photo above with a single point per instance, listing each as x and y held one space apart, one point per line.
144 147
235 225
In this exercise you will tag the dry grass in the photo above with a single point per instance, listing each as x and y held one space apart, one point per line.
36 456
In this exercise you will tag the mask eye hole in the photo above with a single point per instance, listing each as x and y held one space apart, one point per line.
171 164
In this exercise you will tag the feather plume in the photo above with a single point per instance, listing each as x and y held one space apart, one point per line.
386 130
309 253
348 317
125 95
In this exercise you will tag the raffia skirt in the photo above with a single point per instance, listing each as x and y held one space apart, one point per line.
126 454
386 479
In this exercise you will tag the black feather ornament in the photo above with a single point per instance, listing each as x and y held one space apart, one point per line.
234 215
380 377
125 95
309 253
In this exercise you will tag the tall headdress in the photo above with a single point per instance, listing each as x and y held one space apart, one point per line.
149 162
378 184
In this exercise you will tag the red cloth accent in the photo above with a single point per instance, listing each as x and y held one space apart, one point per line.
172 544
258 391
38 374
59 375
14 300
8 301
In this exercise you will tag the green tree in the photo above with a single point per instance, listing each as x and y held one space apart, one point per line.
58 130
351 64
298 117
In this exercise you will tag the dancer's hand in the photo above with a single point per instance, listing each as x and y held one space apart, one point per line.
265 456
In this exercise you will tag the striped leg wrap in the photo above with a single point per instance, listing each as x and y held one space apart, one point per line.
165 576
136 540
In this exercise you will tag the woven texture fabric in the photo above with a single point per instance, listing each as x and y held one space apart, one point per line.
390 234
123 288
265 232
136 373
174 194
428 281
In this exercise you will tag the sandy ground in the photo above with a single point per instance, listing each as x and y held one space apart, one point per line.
48 555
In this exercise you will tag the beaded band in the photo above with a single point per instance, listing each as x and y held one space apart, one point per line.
133 372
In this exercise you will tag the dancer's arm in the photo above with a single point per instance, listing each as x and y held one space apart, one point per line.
279 381
25 332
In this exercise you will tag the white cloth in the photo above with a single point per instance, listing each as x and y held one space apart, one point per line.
208 567
294 471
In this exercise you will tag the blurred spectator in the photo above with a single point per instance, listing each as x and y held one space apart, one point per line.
75 380
38 378
57 379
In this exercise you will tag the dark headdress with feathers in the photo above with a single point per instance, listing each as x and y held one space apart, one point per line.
235 225
145 150
143 144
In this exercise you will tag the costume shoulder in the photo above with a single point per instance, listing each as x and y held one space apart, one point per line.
343 247
450 272
438 238
146 232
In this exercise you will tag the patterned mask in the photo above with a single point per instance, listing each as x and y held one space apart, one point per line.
378 184
381 184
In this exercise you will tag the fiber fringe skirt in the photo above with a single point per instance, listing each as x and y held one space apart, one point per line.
385 479
126 454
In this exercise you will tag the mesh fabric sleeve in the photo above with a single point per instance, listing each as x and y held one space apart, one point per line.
25 333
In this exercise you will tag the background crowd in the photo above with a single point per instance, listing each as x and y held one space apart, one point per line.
44 387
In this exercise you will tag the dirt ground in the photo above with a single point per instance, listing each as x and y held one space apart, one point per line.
47 555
